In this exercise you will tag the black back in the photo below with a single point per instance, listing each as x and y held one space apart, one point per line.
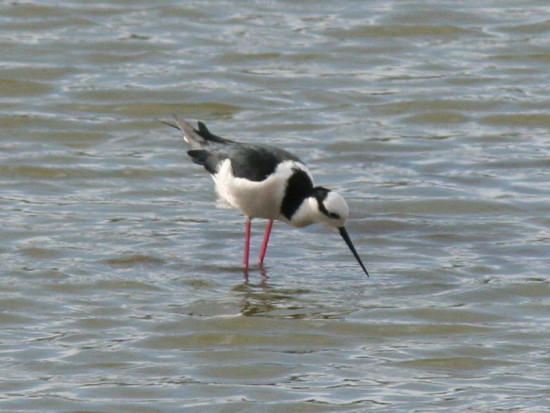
257 162
249 161
252 162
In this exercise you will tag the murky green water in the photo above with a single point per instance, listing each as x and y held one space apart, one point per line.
120 287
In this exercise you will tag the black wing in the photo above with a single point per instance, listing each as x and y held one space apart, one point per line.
203 157
252 162
257 162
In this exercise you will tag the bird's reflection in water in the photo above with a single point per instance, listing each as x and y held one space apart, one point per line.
265 299
263 273
256 298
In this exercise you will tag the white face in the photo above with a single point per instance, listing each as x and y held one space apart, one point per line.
336 210
324 207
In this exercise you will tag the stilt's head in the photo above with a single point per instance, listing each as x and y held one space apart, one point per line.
329 208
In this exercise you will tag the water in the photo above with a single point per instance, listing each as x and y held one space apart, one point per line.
120 286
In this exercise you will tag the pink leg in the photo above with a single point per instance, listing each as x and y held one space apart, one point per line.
263 250
246 243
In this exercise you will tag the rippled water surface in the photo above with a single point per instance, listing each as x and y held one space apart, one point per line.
120 286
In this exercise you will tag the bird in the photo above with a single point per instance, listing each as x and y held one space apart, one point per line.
264 181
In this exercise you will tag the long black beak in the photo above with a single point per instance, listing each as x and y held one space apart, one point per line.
345 235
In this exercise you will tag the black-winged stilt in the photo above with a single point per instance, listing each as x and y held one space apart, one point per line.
265 182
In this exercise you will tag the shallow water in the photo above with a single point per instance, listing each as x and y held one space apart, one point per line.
121 288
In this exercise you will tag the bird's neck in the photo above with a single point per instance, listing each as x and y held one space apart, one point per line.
299 186
306 214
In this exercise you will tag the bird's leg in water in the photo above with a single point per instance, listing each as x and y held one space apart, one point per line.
246 243
263 250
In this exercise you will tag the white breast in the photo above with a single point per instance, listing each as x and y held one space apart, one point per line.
255 199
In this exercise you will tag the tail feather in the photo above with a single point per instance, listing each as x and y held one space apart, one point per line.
196 138
190 135
209 136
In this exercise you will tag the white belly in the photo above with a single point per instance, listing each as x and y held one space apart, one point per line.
255 199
